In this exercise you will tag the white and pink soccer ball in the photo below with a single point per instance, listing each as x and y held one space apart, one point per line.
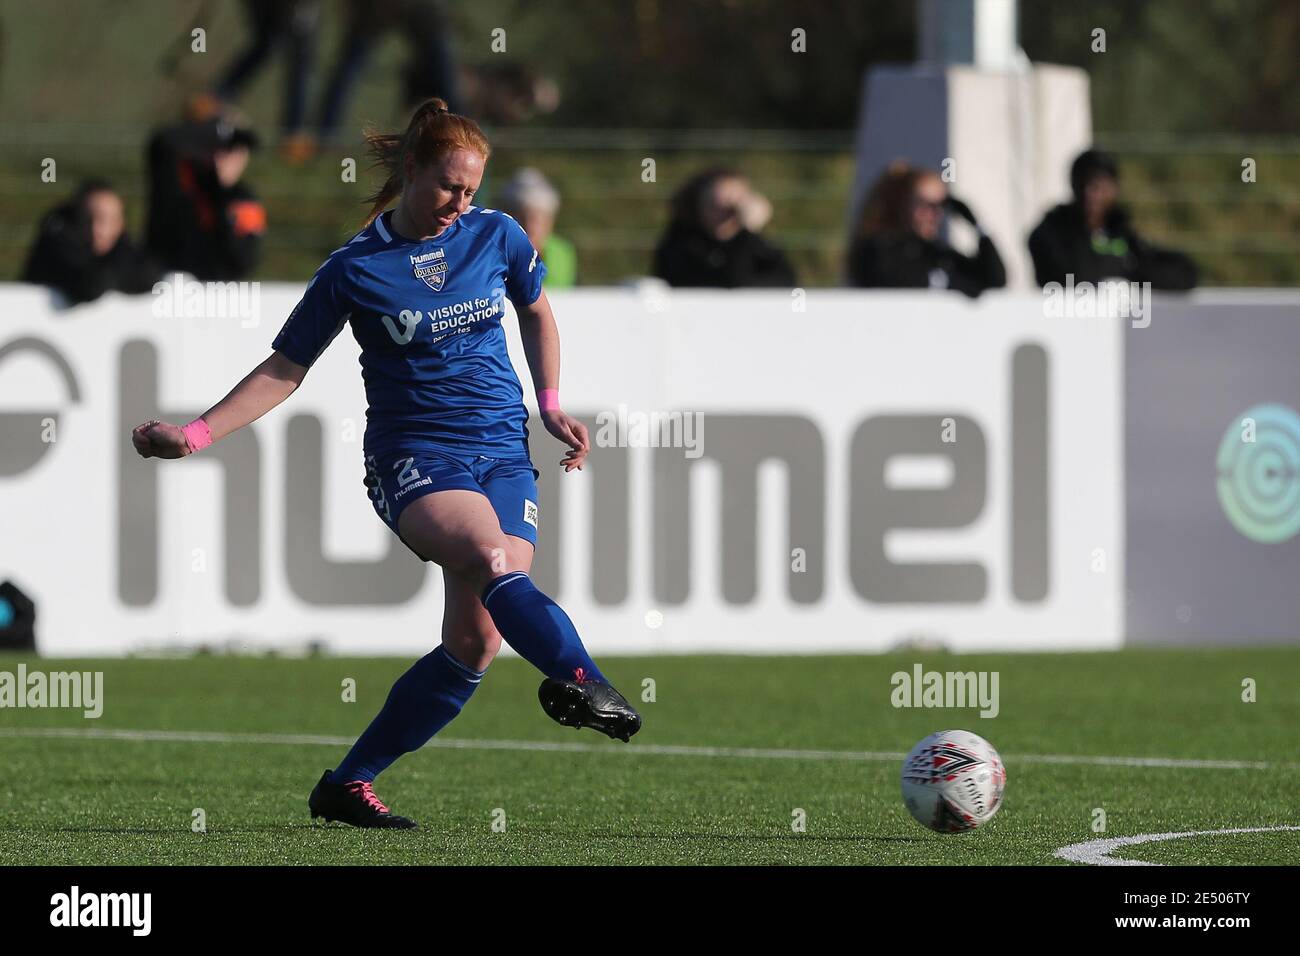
952 781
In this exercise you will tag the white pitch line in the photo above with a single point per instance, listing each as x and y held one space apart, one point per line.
659 750
1098 852
1180 762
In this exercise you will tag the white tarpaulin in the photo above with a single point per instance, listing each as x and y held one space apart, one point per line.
863 469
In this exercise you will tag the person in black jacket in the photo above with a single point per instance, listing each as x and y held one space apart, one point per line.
712 240
898 244
202 218
1092 239
82 248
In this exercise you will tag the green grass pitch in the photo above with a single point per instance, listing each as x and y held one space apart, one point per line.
716 776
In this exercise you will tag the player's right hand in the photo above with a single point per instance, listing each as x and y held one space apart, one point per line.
155 439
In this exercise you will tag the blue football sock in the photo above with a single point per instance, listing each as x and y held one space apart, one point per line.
538 629
421 703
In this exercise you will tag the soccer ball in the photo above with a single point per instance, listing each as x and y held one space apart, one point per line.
952 781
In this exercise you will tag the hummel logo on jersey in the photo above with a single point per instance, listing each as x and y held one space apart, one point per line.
534 262
431 269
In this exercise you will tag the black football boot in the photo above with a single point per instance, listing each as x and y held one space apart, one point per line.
589 703
355 803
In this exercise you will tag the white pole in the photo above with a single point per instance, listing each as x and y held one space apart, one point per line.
996 45
979 33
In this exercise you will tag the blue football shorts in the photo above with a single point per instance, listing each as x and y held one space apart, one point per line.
396 477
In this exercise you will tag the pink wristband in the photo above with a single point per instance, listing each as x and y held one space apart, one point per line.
197 435
548 399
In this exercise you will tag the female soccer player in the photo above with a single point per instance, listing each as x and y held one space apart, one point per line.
446 448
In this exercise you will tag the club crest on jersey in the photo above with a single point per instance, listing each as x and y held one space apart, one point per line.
431 269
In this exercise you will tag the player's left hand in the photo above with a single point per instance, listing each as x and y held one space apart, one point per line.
570 431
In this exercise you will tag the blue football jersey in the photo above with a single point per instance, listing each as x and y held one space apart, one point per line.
427 315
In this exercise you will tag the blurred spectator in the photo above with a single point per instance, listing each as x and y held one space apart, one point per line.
712 239
202 218
293 25
1092 239
82 248
495 93
899 244
429 72
506 94
533 201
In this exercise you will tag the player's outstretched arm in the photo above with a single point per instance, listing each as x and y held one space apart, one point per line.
261 390
541 339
